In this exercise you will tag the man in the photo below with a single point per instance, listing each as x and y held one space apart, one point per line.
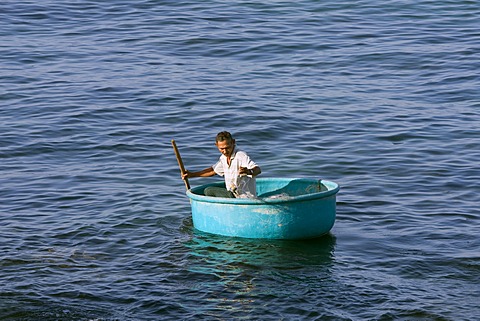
237 167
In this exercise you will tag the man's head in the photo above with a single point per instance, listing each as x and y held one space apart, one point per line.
225 143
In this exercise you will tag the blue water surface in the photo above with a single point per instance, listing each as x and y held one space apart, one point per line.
380 97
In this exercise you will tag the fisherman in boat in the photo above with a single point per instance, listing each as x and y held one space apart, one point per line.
237 168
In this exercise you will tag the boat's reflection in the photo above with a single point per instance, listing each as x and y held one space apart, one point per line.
261 253
238 272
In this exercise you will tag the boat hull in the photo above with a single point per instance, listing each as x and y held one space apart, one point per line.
285 209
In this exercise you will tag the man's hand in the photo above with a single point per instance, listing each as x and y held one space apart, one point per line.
245 171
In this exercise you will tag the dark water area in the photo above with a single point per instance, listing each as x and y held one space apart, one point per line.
382 98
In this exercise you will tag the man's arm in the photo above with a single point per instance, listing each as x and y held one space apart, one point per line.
207 172
252 171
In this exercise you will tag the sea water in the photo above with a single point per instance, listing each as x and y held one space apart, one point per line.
380 97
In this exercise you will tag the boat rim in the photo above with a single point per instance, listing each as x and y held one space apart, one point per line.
333 188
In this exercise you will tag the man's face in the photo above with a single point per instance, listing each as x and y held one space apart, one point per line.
226 147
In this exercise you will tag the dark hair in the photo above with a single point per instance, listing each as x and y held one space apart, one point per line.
223 136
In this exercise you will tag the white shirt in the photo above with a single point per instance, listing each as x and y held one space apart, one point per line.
244 186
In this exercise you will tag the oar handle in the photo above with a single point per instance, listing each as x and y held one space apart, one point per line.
180 163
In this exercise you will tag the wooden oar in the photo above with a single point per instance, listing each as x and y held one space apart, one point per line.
180 163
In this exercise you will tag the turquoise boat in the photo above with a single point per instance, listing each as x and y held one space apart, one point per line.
285 208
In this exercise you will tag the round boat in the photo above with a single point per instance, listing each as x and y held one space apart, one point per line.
285 208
